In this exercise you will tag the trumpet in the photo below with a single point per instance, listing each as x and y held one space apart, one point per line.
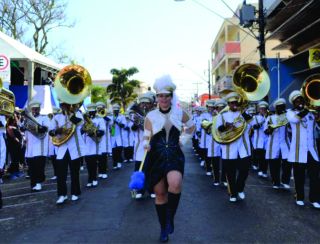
281 121
101 112
89 128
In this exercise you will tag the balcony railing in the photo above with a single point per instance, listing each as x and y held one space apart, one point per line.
228 48
225 83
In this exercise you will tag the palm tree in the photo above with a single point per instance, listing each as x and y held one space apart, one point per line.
99 94
121 90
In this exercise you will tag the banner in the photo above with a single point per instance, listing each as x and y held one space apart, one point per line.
314 57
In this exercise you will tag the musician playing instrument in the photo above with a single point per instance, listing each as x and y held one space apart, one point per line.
70 152
214 151
93 129
3 149
204 136
118 124
259 139
235 154
128 140
209 140
37 144
277 147
138 112
303 153
164 164
106 141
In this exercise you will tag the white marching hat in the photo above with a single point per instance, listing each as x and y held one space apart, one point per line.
91 107
34 104
145 98
220 103
232 97
164 84
279 101
293 95
263 104
100 104
115 107
210 103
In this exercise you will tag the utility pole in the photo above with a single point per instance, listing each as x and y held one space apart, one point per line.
209 80
262 46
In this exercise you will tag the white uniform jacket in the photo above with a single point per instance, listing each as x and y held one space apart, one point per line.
138 145
76 144
35 146
96 147
128 138
3 147
259 137
241 146
302 139
117 135
214 149
107 136
278 142
204 136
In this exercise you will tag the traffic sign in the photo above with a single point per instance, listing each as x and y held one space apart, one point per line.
4 68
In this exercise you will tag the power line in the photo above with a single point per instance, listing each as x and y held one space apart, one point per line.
214 12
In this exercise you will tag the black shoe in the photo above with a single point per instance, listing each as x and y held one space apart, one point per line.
170 227
164 235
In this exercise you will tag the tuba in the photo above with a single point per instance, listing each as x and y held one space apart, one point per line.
72 85
311 91
252 83
7 101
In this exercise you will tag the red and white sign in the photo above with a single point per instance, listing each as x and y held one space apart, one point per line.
4 68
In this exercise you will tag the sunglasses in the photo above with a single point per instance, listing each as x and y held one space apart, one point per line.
163 95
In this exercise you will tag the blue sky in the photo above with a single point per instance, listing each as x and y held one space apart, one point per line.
152 35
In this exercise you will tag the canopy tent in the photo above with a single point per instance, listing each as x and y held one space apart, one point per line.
18 51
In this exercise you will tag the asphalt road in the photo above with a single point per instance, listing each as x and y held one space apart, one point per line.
108 214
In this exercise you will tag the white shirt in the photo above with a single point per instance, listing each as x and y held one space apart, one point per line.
204 136
117 138
259 137
96 147
278 142
138 145
303 140
76 144
239 147
35 146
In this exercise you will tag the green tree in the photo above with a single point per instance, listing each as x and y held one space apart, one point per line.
99 94
121 90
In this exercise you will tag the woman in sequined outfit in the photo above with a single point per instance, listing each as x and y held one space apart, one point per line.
164 165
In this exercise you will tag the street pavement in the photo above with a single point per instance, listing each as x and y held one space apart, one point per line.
108 214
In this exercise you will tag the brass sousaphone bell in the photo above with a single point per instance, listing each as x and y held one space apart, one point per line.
252 83
72 85
311 91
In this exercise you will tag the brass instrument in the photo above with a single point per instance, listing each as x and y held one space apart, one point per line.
7 101
206 125
32 125
136 118
311 91
281 121
101 112
72 85
89 128
252 83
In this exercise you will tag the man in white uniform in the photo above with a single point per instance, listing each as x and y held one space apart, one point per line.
278 144
209 140
236 154
37 145
70 153
118 124
303 153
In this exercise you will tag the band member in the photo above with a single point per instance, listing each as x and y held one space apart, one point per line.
2 150
278 144
52 148
209 141
203 138
69 153
94 128
128 141
235 154
37 144
196 121
214 151
106 141
118 124
259 138
302 151
165 159
145 104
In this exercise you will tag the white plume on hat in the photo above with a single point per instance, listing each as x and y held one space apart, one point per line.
164 84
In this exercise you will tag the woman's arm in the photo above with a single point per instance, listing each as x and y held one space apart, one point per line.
147 133
188 122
